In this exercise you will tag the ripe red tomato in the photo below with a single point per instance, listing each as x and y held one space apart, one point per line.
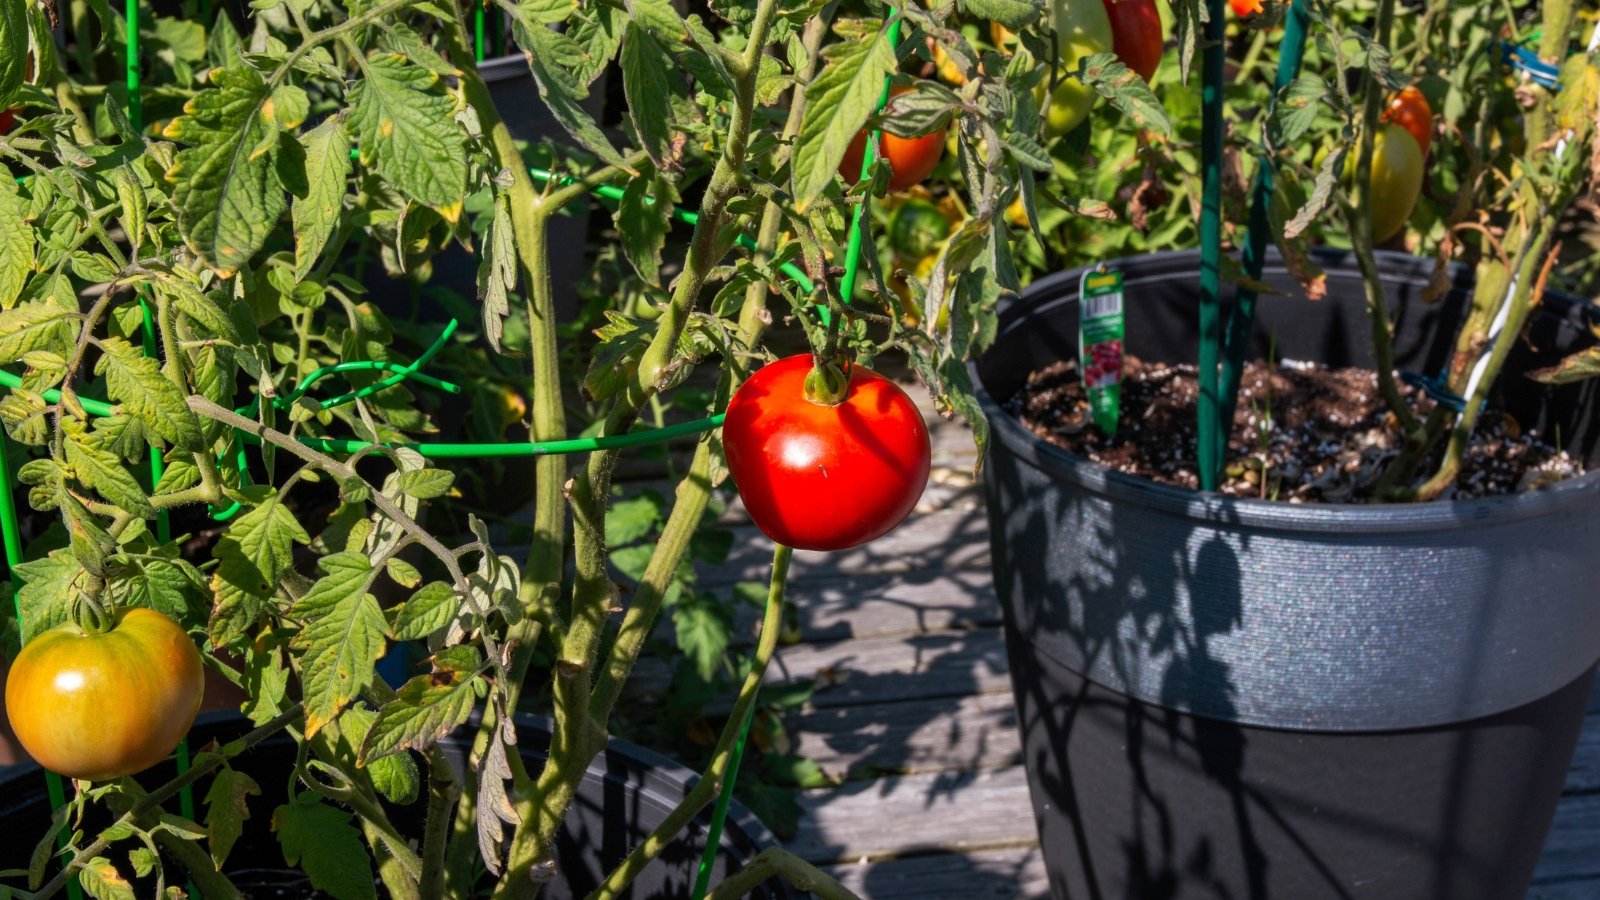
1136 34
100 706
8 118
818 477
910 159
1245 7
1410 110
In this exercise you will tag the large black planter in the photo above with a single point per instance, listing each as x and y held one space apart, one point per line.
626 793
1244 699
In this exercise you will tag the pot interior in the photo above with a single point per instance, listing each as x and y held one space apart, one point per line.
1162 296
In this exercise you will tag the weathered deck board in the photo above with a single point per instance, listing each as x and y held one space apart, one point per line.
1012 872
953 734
919 667
1572 851
943 811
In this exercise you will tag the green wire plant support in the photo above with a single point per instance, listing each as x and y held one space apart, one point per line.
10 534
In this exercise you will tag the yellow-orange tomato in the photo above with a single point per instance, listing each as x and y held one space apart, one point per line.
100 706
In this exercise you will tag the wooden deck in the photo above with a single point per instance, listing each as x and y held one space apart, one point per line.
914 711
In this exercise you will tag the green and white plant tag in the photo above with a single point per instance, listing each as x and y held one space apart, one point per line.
1100 333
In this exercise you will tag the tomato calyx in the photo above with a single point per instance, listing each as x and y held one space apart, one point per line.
828 382
88 612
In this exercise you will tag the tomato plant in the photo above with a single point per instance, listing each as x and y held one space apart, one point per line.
99 706
821 477
1410 110
1136 34
911 159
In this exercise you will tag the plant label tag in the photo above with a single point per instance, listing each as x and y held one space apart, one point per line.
1100 332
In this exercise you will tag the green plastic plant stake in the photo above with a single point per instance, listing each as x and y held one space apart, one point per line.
719 813
1242 315
11 536
1213 432
852 251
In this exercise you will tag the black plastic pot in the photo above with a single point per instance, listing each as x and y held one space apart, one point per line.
1245 699
626 793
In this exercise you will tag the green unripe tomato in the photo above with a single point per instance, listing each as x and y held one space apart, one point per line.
1082 30
916 229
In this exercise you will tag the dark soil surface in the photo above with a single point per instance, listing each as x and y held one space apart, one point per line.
1302 433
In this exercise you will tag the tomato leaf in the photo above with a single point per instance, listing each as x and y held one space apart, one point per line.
342 636
321 841
227 806
252 555
643 219
1126 91
660 18
1014 14
1321 193
838 102
404 124
599 33
144 861
1297 107
426 484
549 54
704 628
102 881
431 608
48 586
629 520
225 184
103 471
1189 18
16 240
327 170
427 707
13 48
24 414
497 273
645 72
35 325
1579 366
135 381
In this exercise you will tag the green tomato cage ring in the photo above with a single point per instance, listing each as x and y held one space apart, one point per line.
484 39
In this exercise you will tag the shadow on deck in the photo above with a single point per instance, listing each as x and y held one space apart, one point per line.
914 711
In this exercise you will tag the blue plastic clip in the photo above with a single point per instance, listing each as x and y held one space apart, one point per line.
1434 386
1524 60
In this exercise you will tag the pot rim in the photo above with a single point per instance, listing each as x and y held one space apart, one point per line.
1242 512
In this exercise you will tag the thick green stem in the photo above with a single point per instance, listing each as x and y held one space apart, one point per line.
707 788
400 883
443 789
778 861
1530 281
1359 215
578 736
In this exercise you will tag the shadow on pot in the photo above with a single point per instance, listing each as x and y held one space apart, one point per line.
1230 698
